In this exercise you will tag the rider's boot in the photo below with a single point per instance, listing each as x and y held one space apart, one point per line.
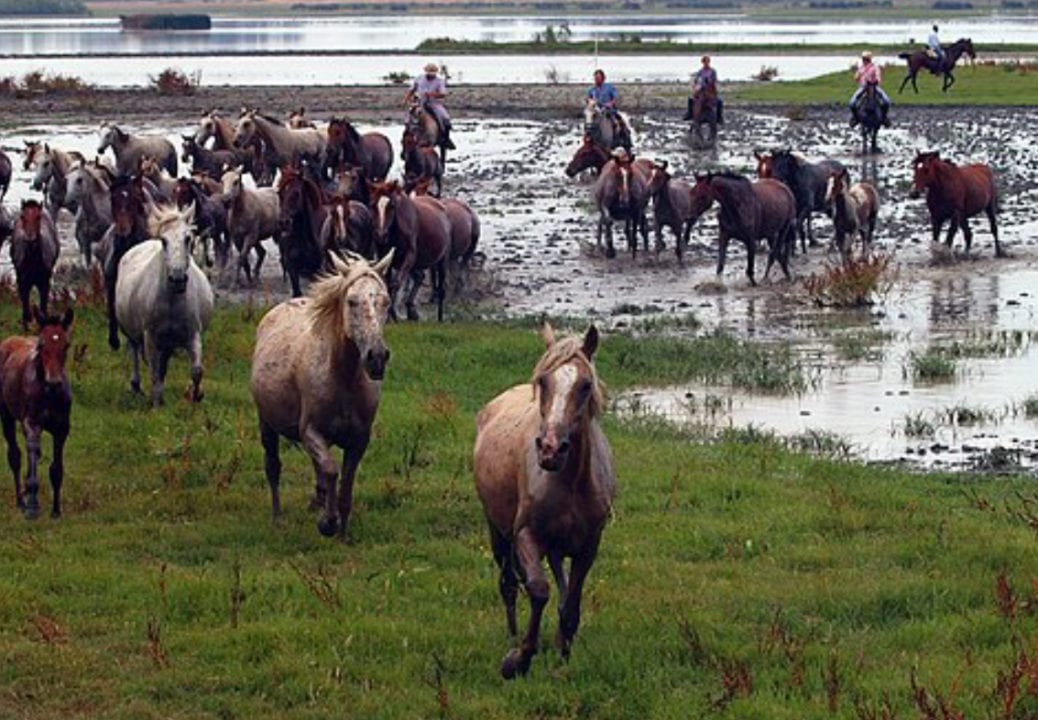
854 118
447 142
886 118
720 112
688 112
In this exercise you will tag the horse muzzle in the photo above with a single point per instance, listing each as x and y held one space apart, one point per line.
915 193
178 283
37 185
551 451
375 362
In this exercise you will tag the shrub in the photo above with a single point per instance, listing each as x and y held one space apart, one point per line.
767 73
42 7
37 82
931 366
396 77
850 285
175 82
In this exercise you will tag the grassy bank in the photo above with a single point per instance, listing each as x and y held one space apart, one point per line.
983 84
734 575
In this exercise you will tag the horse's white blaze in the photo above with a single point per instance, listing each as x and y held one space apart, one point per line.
563 379
829 188
383 207
625 174
340 221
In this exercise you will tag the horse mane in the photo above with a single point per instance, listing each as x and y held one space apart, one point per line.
728 175
162 216
563 352
327 291
269 118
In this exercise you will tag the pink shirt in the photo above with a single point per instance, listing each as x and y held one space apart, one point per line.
869 73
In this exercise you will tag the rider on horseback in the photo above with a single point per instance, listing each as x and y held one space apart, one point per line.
869 73
933 43
705 81
606 98
430 89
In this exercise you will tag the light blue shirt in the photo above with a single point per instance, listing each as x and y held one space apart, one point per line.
934 42
603 94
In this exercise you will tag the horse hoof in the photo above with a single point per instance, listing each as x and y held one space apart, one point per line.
135 387
412 314
31 513
514 665
113 342
329 527
55 514
610 253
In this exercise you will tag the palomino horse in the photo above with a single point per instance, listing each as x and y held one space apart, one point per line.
127 200
372 152
421 163
349 226
621 193
210 219
202 159
544 473
423 124
604 129
128 149
921 59
807 180
704 113
419 230
87 186
671 207
34 251
253 157
6 170
956 193
284 145
163 301
854 213
35 392
589 156
52 166
297 119
252 217
869 113
750 212
301 221
317 377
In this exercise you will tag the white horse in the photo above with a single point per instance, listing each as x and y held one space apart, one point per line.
86 187
252 217
163 300
600 127
129 149
286 145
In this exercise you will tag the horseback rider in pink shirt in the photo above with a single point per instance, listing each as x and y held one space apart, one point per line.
869 73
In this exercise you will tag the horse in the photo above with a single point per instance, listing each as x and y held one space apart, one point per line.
604 129
35 392
750 212
252 217
202 159
6 170
211 186
128 204
921 59
465 233
317 374
87 185
854 213
869 113
284 145
671 206
34 252
371 151
807 180
589 156
210 218
349 182
52 166
128 149
421 162
163 301
253 156
424 125
161 181
545 477
349 226
297 119
419 230
301 223
704 112
621 193
956 193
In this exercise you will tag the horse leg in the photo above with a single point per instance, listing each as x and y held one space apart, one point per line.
351 456
32 484
293 276
417 279
24 290
904 82
57 468
157 361
559 572
195 352
260 254
967 233
43 288
722 252
272 466
643 225
990 212
569 615
508 583
517 661
135 366
14 455
953 227
327 470
935 229
751 255
439 280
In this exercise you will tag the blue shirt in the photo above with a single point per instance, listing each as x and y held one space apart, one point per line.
603 94
704 78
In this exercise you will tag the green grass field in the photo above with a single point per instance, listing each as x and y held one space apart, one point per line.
736 579
1008 85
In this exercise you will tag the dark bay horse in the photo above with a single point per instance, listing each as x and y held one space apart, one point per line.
956 193
869 113
421 163
545 476
419 232
423 123
671 206
589 156
301 220
35 392
34 252
621 193
202 159
349 227
921 59
704 113
128 201
808 181
210 218
6 169
372 152
750 212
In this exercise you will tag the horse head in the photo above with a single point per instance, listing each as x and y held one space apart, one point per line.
588 155
659 176
232 184
291 197
702 195
111 136
189 146
183 192
206 127
591 112
297 119
924 171
246 129
44 170
52 345
385 199
30 219
31 150
568 395
173 228
127 203
765 164
835 186
622 174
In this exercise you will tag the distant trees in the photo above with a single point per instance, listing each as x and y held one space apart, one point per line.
42 7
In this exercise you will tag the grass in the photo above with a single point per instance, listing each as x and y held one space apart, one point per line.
931 366
860 344
983 84
736 578
1030 406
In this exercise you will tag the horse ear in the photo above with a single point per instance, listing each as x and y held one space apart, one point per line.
67 318
590 342
382 266
547 334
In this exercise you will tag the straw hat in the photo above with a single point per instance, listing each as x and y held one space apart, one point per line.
432 68
866 55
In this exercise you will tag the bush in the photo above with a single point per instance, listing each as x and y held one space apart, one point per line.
850 285
38 82
396 77
767 73
175 82
931 366
42 7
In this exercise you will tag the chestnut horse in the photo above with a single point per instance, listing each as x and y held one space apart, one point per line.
349 227
956 193
419 230
34 391
750 212
421 163
372 152
544 474
465 233
34 251
589 156
6 169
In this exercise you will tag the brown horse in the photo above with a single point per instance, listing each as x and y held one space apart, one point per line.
127 200
544 473
621 193
34 391
210 218
465 233
301 221
349 227
372 152
34 252
419 230
421 163
6 169
750 212
589 156
704 112
317 378
855 208
956 193
671 206
921 59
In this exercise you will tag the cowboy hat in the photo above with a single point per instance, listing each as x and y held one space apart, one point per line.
866 55
432 68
